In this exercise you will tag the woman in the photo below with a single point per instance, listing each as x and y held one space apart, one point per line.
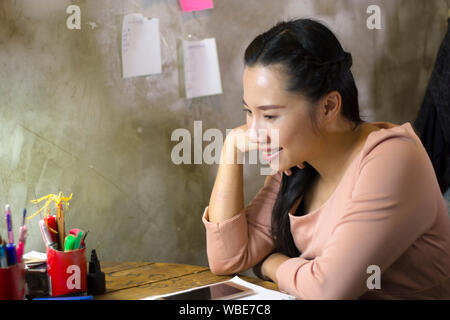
349 198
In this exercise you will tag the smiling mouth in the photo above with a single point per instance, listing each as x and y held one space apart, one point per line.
269 154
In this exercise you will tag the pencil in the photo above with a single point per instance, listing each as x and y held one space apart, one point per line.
61 227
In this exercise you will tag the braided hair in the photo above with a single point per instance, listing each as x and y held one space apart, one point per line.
315 64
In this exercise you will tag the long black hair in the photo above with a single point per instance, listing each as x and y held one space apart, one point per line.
315 64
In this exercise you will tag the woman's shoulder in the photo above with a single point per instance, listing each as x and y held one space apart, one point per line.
395 171
396 151
389 137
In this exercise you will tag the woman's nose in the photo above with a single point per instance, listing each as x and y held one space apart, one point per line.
257 134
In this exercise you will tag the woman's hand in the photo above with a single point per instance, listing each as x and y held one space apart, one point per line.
288 172
270 265
239 138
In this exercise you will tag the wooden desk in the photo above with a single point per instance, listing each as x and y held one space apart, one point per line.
137 280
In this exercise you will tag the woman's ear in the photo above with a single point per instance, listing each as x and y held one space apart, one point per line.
333 101
330 107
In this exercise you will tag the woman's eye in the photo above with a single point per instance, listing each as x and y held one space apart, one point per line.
268 117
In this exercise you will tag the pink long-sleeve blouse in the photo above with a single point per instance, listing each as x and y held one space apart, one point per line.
387 211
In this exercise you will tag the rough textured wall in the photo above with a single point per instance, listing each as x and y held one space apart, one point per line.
71 123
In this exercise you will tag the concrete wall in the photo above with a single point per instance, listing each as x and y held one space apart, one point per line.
71 123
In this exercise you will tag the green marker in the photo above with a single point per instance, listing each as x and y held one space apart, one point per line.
77 243
68 244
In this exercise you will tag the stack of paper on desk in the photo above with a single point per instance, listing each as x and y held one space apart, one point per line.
34 258
260 292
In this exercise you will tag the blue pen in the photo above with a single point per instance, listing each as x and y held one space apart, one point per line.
66 298
9 224
3 261
11 254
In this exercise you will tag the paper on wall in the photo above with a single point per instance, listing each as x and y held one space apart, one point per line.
196 5
201 68
141 50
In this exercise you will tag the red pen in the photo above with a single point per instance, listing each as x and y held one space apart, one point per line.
46 236
50 221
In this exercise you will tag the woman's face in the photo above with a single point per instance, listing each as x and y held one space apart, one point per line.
271 109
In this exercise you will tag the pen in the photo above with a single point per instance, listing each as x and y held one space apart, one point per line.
69 243
84 237
47 236
9 224
50 221
77 243
66 298
22 238
24 215
11 254
3 261
79 235
61 228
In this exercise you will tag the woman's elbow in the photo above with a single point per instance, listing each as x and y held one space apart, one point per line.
219 271
224 268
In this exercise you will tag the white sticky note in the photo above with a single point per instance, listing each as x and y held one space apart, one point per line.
141 49
201 68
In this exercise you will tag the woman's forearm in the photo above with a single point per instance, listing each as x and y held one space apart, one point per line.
227 197
270 265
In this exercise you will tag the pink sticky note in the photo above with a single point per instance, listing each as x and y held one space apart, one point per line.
196 5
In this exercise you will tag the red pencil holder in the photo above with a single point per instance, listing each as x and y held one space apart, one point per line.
67 271
12 282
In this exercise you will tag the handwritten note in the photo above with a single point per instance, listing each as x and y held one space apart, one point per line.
141 50
201 68
196 5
